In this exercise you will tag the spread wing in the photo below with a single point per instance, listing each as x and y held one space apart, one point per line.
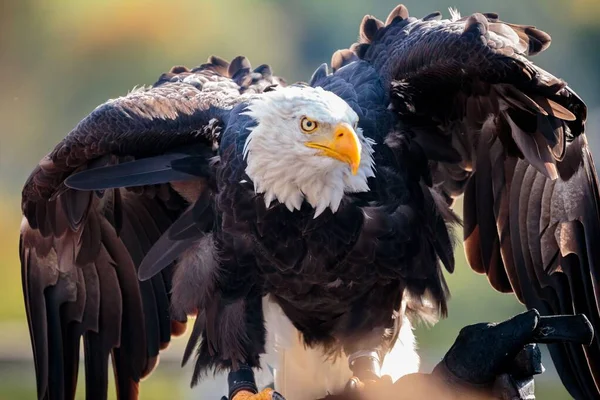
510 137
81 249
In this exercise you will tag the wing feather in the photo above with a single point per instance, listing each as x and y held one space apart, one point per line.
95 207
531 196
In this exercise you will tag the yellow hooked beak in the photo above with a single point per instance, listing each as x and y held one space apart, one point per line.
343 146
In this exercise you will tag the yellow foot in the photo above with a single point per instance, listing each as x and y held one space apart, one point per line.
266 394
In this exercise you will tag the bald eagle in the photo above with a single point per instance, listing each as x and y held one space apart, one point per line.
324 208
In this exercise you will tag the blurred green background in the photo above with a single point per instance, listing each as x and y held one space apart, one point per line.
60 59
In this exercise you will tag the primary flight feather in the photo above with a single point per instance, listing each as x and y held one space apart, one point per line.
323 206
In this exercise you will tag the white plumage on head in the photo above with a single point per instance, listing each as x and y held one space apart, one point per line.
281 165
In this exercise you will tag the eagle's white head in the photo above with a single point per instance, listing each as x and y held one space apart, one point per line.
306 146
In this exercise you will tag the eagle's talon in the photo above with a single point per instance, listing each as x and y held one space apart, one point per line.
277 396
354 384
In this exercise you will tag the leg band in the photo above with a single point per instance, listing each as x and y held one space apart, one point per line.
365 365
241 379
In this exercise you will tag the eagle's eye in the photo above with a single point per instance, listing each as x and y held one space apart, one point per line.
308 125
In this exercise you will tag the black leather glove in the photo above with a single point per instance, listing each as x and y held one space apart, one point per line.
503 358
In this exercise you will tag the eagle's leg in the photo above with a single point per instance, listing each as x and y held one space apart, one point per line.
234 339
238 333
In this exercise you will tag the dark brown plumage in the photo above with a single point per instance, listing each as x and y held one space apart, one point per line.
454 107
